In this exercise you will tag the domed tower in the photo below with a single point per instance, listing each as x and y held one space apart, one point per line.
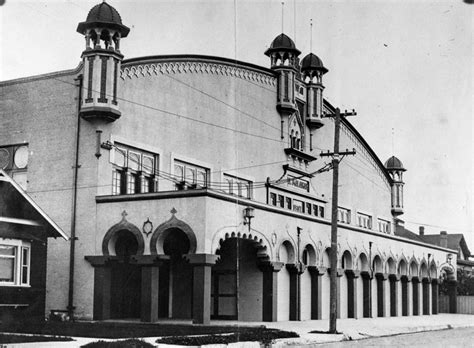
395 169
312 69
103 30
283 55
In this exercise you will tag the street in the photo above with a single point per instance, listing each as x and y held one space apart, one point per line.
461 337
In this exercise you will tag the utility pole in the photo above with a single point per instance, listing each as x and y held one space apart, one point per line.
335 182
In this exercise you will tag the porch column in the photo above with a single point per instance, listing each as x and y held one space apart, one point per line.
102 286
434 296
367 294
270 287
416 295
452 296
381 283
394 294
295 287
316 290
352 292
202 265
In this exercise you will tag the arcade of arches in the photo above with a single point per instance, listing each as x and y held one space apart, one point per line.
239 281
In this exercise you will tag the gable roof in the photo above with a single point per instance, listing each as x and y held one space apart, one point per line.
18 208
455 241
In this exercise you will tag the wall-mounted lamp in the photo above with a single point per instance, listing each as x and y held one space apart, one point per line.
248 215
147 227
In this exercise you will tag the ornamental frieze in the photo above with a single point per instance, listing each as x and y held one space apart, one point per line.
151 69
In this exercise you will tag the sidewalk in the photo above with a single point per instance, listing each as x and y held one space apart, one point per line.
349 329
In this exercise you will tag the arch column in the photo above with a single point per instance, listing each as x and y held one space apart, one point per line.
352 292
102 285
270 289
202 265
150 268
381 291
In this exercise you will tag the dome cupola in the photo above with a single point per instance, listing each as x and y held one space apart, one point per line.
395 168
312 70
102 30
312 62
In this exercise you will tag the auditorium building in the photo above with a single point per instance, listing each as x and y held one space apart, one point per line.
193 187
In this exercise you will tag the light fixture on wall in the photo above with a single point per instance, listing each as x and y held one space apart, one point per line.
248 216
147 227
449 257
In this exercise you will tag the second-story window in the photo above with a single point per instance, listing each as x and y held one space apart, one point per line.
238 186
364 220
190 175
344 215
383 226
134 171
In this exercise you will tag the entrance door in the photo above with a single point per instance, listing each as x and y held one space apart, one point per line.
126 288
224 295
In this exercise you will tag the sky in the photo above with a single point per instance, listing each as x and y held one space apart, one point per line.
405 66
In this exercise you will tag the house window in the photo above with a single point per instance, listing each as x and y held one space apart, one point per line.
134 171
364 220
383 226
288 203
14 262
308 208
273 198
190 176
281 201
344 215
238 186
14 161
298 206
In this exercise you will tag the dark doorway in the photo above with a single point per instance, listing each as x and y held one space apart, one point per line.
393 297
415 297
404 296
176 277
380 297
366 294
126 279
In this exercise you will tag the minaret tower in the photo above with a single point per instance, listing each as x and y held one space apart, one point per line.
283 56
103 30
395 169
312 69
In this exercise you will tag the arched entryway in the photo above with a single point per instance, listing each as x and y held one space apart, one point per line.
237 282
403 271
379 300
415 280
175 283
366 285
348 290
391 269
425 289
309 287
126 278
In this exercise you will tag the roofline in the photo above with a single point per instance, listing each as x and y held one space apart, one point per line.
73 71
199 57
5 177
364 143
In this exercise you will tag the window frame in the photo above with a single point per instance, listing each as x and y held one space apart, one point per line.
19 266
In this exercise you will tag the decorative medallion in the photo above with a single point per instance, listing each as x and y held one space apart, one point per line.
147 227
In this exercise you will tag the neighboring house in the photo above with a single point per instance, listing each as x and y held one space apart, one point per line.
195 189
24 233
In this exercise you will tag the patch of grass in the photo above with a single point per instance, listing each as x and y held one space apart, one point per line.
113 330
130 343
257 334
12 338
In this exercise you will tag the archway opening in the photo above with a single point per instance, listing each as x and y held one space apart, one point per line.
175 289
126 277
236 281
366 285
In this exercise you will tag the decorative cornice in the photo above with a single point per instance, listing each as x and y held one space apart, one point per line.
195 67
